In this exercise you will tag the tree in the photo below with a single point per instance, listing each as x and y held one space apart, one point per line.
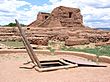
14 25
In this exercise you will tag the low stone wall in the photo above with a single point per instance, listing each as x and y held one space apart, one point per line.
104 59
80 54
72 42
39 40
93 57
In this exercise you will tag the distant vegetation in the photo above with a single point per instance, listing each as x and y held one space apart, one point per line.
13 25
102 50
103 28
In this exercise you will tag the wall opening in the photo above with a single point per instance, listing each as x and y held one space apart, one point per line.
70 14
46 17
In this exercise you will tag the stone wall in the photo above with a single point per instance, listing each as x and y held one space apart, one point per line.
70 36
76 41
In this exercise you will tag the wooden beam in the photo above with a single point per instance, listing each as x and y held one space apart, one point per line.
29 49
69 65
55 68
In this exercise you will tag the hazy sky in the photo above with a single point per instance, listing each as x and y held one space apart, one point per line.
96 12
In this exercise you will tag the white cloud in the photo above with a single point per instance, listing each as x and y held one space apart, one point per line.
11 9
95 12
8 10
12 5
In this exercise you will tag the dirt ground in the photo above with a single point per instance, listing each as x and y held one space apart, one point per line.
10 71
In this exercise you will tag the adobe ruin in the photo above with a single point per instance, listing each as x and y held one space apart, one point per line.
62 24
60 17
70 28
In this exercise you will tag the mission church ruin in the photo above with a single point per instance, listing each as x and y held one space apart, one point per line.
62 24
60 17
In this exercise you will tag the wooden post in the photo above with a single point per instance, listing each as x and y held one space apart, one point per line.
28 47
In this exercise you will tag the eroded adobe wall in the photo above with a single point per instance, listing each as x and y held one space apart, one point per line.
60 17
69 17
41 16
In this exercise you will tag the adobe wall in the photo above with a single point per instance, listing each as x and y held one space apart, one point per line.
93 57
60 17
41 16
69 17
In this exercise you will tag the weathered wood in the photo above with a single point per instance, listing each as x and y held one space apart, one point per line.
84 63
53 68
69 65
28 46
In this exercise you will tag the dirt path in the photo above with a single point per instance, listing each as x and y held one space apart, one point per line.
10 71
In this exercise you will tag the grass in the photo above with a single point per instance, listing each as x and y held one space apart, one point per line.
102 50
16 43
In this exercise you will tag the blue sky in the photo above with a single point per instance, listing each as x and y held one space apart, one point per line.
96 13
37 2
